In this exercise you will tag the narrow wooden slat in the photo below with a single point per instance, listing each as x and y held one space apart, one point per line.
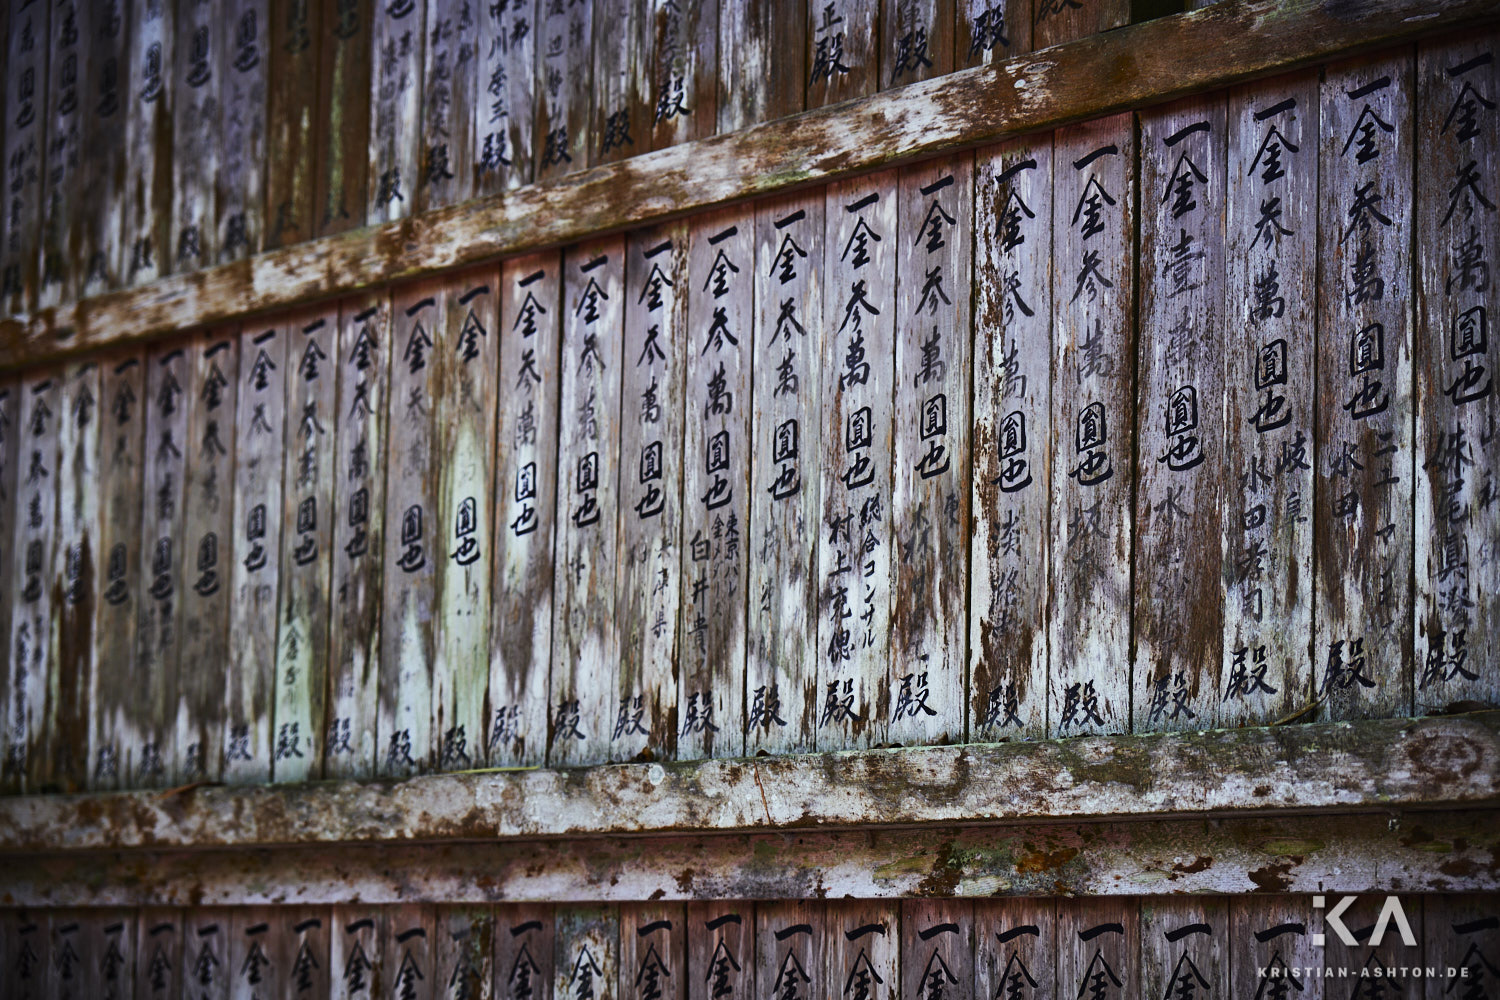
159 954
303 950
864 949
209 969
29 961
1355 966
653 952
618 125
248 57
465 943
27 49
990 30
449 103
366 351
843 50
716 507
762 62
523 952
1057 21
346 54
782 653
1184 947
506 94
111 971
398 39
68 947
69 52
308 472
648 578
1010 558
12 436
1362 653
916 40
291 115
1098 948
1459 932
931 458
937 949
586 952
682 95
104 94
1093 212
720 951
409 961
530 332
148 244
1015 949
1270 941
1456 607
791 949
564 54
255 932
356 963
194 152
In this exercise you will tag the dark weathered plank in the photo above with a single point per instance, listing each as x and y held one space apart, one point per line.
1056 21
241 200
619 125
720 951
292 114
465 952
762 62
791 950
194 152
112 949
523 952
1355 964
68 948
653 952
843 50
408 966
506 91
1012 546
71 37
864 949
254 933
207 971
1098 948
564 65
937 949
682 92
1184 947
990 30
1461 933
344 94
103 90
356 952
11 441
449 104
586 953
1362 652
301 961
25 148
1270 940
398 38
1015 942
159 974
148 243
916 40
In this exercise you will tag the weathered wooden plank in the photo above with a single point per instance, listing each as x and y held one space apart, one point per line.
71 579
864 949
1093 215
27 47
530 332
68 950
990 30
194 153
365 354
308 471
586 952
242 202
937 949
159 973
112 718
1057 21
782 652
720 950
682 90
1456 530
1362 651
356 952
291 52
449 104
1357 965
791 950
1270 286
523 952
208 525
101 199
1098 948
1270 942
112 953
648 576
653 952
70 26
464 435
1184 947
464 949
843 50
148 243
1460 933
301 960
584 638
716 508
931 460
916 40
564 65
408 963
11 452
253 937
28 962
1177 614
762 62
208 960
407 633
1009 560
346 53
506 94
260 428
1015 942
855 456
398 39
619 125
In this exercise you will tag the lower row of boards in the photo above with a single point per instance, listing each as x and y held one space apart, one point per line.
1176 948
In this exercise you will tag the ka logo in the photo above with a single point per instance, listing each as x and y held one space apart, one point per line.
1390 910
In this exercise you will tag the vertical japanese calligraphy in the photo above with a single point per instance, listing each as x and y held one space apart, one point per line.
503 150
292 112
71 28
465 939
619 126
1015 941
1184 951
242 202
843 59
653 962
344 88
159 974
681 95
398 39
194 154
408 968
523 952
449 103
586 953
916 40
206 953
790 950
25 147
864 949
1098 948
937 949
1274 935
564 66
990 30
721 951
356 951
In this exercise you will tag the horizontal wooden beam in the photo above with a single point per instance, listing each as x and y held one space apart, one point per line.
1225 43
1450 762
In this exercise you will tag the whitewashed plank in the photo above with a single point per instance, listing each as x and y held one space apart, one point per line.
1098 948
196 72
148 244
843 50
990 30
864 949
791 950
504 152
245 70
681 78
720 951
159 954
586 952
356 951
523 953
208 969
397 40
342 162
937 949
465 943
564 66
69 50
855 456
25 149
288 83
653 952
1015 947
449 104
105 96
916 40
1184 946
1270 941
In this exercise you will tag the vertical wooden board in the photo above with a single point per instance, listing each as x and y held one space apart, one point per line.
70 26
1363 613
937 949
619 126
505 96
11 441
916 40
1270 947
397 38
653 952
1093 213
307 518
111 944
584 639
990 30
31 590
342 163
253 938
1269 301
25 149
1184 947
465 943
410 955
586 952
148 242
648 591
530 331
67 946
1011 550
242 203
449 104
196 78
681 96
864 949
158 954
781 663
208 957
1098 948
1056 21
466 379
762 61
29 954
523 952
791 950
303 951
1457 529
104 94
931 461
854 461
208 550
1015 949
1178 612
720 950
292 114
261 426
564 67
407 636
1359 968
843 56
1460 932
716 480
121 502
356 959
365 351
72 579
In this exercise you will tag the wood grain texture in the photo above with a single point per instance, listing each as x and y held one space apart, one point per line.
409 954
586 953
292 113
653 952
843 50
524 938
356 963
101 197
301 960
506 93
990 30
762 62
449 103
194 151
619 125
345 57
864 949
71 37
1355 964
250 958
1459 931
27 48
465 955
916 40
682 93
565 110
1098 949
1057 21
1184 947
791 950
398 38
1274 934
112 948
1015 942
243 204
937 949
720 950
149 242
11 440
159 953
208 955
